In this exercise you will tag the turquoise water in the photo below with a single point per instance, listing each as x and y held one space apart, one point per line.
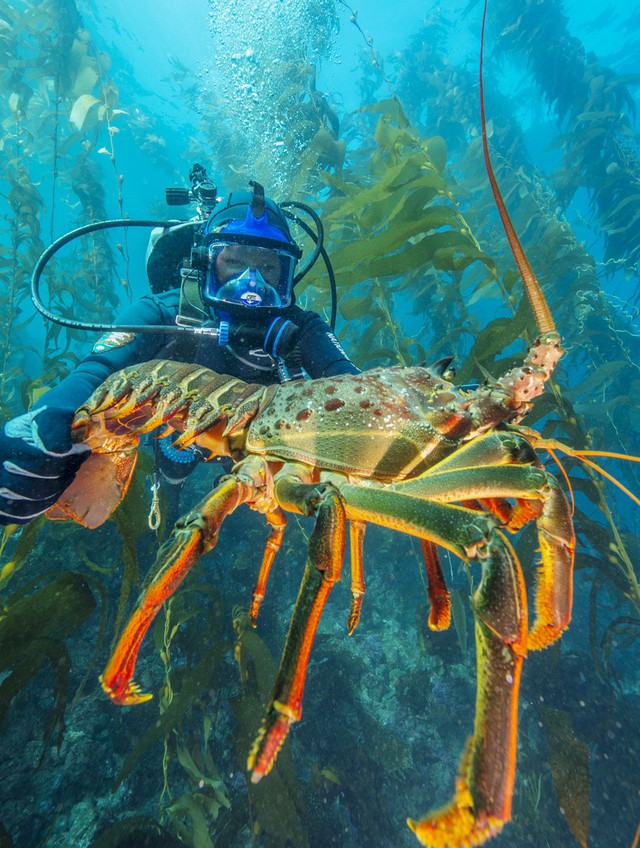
103 107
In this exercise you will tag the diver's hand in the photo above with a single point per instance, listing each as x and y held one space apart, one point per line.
277 336
37 462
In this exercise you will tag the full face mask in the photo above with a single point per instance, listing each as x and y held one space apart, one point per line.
243 274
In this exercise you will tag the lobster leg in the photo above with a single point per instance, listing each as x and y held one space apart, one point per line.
439 599
554 590
326 551
278 522
324 564
194 535
482 801
356 540
504 465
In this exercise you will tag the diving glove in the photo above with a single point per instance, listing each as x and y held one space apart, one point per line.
38 462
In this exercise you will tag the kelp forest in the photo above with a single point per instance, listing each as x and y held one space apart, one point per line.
424 274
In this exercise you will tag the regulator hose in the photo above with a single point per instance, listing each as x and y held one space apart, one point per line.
46 255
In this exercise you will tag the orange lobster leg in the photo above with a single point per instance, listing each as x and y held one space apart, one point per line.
324 564
356 540
439 600
482 801
193 536
554 590
278 523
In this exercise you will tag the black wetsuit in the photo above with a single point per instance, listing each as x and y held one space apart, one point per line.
319 351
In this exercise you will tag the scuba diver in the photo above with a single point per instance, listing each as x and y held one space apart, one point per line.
226 280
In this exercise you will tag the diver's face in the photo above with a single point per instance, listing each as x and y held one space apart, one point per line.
233 259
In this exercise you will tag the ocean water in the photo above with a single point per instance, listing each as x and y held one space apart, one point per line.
370 116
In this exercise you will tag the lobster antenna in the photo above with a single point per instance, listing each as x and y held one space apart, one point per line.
538 302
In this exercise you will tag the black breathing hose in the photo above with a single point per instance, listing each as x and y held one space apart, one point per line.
317 237
105 328
319 250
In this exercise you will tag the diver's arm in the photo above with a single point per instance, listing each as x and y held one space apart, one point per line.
112 352
321 352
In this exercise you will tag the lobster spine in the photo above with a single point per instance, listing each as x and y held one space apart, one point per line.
510 397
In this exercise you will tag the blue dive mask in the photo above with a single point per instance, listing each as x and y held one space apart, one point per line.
245 274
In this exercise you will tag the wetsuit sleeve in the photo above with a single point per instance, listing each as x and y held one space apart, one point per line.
321 352
72 392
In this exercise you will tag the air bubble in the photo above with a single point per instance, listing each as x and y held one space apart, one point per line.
257 55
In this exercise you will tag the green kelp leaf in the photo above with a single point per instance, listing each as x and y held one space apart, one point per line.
390 109
628 79
277 802
7 533
217 797
625 631
607 410
379 354
26 543
365 341
98 587
600 378
131 519
408 203
411 345
338 184
450 259
592 117
355 307
510 278
196 832
418 254
81 111
32 627
207 795
496 336
437 150
400 178
386 223
388 106
22 325
633 199
85 81
485 287
544 405
204 639
325 145
390 137
405 176
54 610
570 769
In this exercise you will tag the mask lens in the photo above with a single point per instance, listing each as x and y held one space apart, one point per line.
249 276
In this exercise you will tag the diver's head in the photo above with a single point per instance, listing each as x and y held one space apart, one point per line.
251 255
